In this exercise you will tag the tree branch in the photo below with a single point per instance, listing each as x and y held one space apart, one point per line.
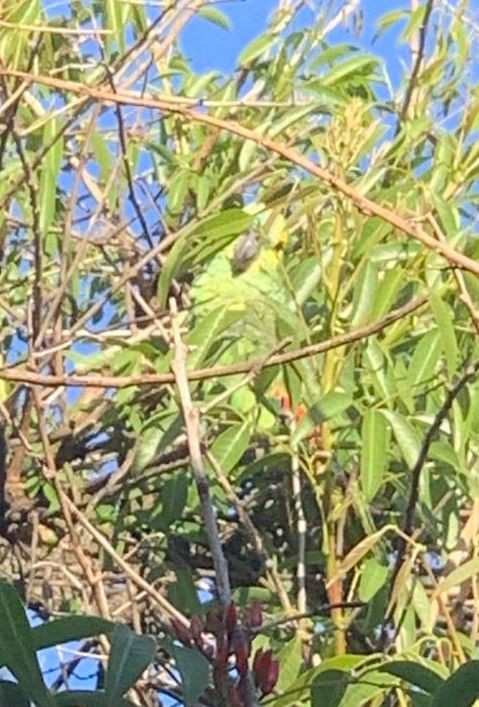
21 375
191 417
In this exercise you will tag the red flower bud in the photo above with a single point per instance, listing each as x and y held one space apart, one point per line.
254 617
265 676
271 678
222 649
241 649
231 618
234 699
196 628
219 672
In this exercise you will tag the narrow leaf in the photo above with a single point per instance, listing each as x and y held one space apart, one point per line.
230 446
195 673
461 689
445 322
71 628
17 650
129 656
216 16
414 673
458 576
256 48
355 555
406 436
329 688
374 434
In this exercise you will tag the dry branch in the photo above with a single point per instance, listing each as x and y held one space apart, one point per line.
362 203
191 417
22 375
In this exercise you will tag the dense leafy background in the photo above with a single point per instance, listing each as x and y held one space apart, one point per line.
128 180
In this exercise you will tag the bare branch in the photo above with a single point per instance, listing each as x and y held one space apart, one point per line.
192 422
22 375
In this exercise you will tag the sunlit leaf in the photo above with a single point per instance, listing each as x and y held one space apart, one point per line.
230 446
216 16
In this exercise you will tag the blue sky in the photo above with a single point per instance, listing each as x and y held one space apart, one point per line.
211 47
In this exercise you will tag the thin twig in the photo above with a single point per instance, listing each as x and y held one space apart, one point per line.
256 539
301 526
422 34
193 434
23 375
249 378
459 277
127 166
50 472
166 607
361 202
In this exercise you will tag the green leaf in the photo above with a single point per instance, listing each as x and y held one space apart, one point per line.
414 673
183 593
207 333
49 175
256 48
248 150
461 689
374 448
333 403
305 279
329 688
376 364
11 695
130 655
458 576
387 291
448 216
424 360
365 294
225 225
216 16
177 192
406 436
230 445
290 660
368 689
150 440
301 688
350 68
445 322
230 222
444 452
173 500
391 18
17 649
195 673
415 21
373 576
71 628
